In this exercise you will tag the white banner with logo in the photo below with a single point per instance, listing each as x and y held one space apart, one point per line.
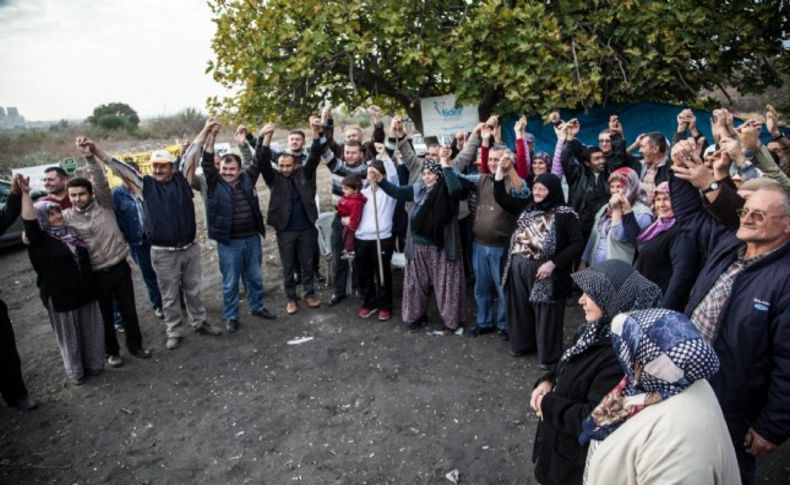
441 117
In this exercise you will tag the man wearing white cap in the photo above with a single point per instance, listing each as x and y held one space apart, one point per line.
171 228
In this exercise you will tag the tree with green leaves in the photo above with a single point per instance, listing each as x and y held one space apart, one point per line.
283 59
114 116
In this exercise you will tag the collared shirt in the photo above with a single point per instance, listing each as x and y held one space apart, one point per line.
706 316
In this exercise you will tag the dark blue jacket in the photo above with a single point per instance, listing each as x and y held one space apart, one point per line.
127 215
753 343
219 202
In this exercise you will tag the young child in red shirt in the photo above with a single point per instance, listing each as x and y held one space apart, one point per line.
350 205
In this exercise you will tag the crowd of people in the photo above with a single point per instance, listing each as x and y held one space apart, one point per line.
680 259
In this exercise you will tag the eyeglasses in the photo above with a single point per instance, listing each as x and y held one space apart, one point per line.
604 140
758 215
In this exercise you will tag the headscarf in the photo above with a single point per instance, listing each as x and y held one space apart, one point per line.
662 355
659 225
555 197
616 287
64 233
434 167
633 192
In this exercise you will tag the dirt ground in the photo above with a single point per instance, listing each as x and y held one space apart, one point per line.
363 402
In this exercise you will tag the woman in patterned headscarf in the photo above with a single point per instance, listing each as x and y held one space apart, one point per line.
565 395
433 245
662 422
610 238
545 242
67 288
666 252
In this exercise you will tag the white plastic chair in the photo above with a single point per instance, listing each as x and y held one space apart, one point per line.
324 226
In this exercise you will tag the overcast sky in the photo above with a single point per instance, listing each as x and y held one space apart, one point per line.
61 58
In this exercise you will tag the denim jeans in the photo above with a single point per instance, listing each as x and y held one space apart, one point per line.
241 258
488 276
142 256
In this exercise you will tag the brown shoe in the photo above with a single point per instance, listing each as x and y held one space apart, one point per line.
292 307
312 301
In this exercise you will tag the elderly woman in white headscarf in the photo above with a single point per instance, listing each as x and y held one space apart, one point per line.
661 423
67 288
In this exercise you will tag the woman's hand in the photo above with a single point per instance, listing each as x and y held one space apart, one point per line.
546 269
537 396
345 220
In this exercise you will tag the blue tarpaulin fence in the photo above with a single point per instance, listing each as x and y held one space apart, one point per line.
636 118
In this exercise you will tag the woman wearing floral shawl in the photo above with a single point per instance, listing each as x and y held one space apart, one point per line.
545 242
661 423
67 289
586 371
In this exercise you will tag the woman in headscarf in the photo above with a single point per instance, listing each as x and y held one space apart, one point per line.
544 244
564 396
666 254
433 244
662 422
609 238
66 287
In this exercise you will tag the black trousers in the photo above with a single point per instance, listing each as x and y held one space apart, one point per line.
115 283
375 294
340 265
296 247
467 238
532 326
12 387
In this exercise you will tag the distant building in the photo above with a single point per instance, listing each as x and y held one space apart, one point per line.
10 118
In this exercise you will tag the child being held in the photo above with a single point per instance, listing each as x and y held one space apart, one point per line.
350 206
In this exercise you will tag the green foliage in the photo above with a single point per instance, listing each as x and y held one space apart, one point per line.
114 116
284 58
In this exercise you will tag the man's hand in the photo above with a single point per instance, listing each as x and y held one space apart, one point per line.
554 118
86 146
460 139
720 163
546 269
492 122
485 135
749 134
316 126
615 126
240 135
345 220
772 121
445 153
572 129
757 445
733 149
683 123
697 175
215 128
691 119
326 113
20 184
396 127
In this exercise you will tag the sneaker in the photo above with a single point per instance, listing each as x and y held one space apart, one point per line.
159 313
384 315
232 325
366 312
114 360
206 328
348 255
312 301
173 343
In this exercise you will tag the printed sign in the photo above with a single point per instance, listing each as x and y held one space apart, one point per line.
440 116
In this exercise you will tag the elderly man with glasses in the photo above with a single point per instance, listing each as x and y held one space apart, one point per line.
740 302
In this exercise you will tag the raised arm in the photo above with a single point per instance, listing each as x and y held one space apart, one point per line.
319 146
190 159
469 152
244 147
523 162
511 204
210 171
263 155
101 188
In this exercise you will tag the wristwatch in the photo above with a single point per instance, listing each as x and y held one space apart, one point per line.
710 188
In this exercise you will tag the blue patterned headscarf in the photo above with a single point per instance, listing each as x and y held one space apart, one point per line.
662 354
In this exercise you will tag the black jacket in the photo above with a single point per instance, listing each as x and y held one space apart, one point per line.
280 187
753 343
579 385
10 211
69 284
587 192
